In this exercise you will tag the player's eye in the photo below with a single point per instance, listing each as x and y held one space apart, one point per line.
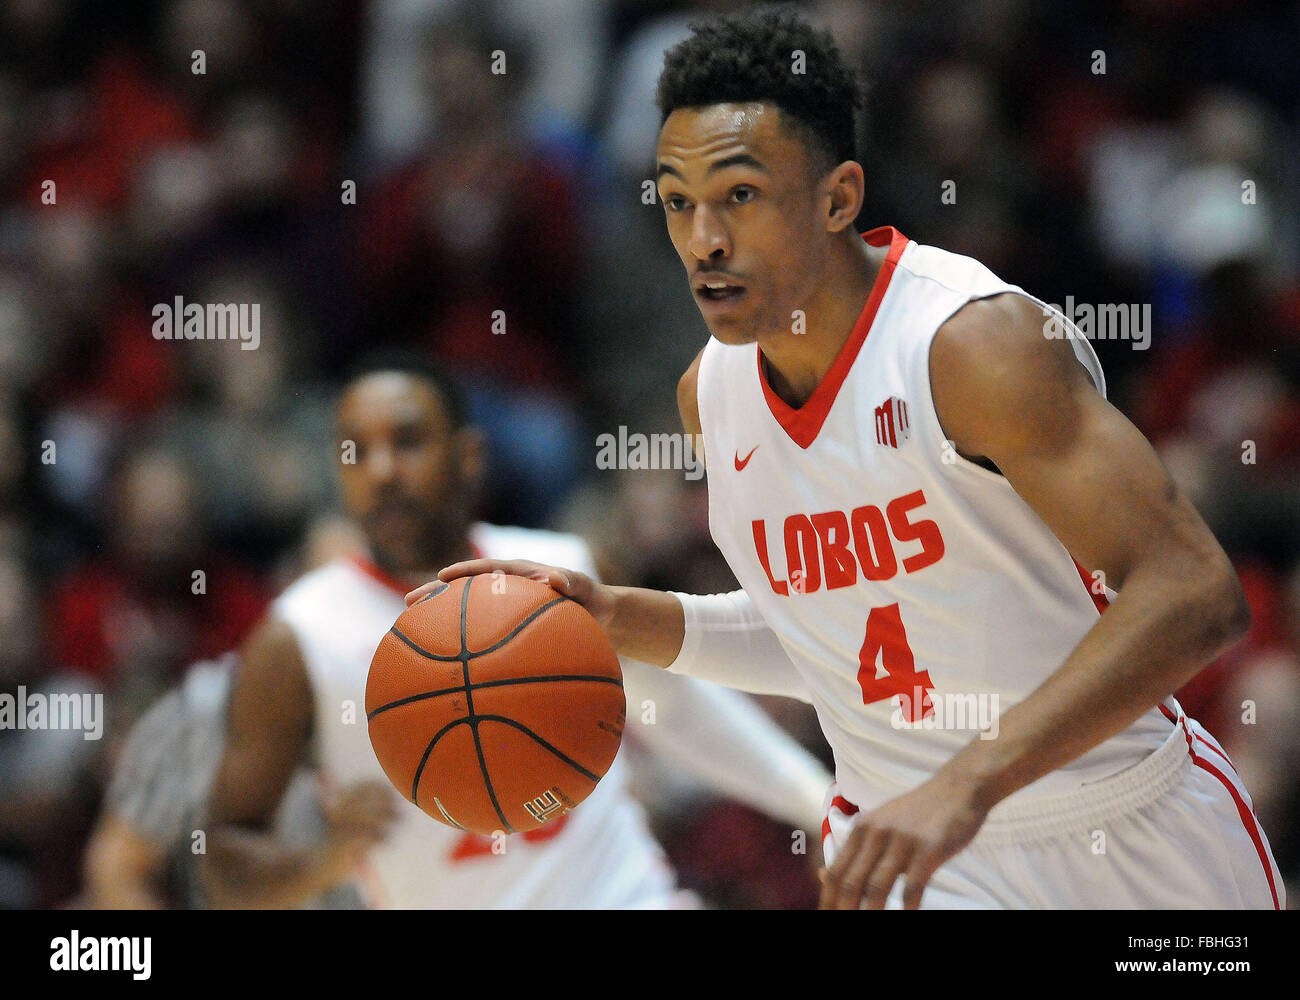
743 195
674 203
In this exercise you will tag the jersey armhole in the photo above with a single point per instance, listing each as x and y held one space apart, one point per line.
1083 351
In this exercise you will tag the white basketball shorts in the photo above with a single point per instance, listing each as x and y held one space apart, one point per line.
1176 831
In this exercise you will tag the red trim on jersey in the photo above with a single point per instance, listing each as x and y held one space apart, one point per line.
1099 600
387 579
1247 820
381 576
803 424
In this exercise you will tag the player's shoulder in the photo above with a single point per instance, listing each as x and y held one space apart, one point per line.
1003 321
936 266
552 548
986 318
329 578
1001 344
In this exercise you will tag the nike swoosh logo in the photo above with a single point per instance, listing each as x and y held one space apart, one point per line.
742 462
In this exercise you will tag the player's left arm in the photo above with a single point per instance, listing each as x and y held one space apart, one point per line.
1006 392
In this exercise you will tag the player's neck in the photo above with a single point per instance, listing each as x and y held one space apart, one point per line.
797 360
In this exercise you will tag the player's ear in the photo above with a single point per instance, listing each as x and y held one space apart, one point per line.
845 188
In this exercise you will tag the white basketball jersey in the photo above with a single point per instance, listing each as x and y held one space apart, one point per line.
915 591
601 855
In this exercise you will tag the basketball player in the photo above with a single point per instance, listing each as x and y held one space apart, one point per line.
299 697
930 506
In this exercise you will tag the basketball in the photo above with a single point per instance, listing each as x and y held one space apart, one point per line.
494 703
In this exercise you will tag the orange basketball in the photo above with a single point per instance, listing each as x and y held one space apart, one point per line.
495 704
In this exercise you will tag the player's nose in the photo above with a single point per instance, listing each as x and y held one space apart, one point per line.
709 240
381 465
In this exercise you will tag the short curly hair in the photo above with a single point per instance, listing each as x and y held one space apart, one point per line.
753 56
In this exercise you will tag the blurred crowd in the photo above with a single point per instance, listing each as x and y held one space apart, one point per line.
371 175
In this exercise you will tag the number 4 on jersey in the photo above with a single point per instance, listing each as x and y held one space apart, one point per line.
886 666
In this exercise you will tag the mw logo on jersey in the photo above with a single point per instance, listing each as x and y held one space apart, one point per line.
545 806
892 423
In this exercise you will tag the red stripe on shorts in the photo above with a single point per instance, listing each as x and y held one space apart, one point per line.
1214 747
1218 753
1247 815
1247 820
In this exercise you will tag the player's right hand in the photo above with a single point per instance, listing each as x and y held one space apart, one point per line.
593 596
357 817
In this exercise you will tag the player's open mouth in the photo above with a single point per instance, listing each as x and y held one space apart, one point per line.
718 291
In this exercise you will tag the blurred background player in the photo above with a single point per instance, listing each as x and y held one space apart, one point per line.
144 851
410 470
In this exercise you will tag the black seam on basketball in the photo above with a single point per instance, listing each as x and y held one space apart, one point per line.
424 652
469 699
532 735
414 697
482 766
517 629
479 652
415 783
544 679
433 593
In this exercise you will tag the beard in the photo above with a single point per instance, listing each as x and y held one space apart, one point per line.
406 535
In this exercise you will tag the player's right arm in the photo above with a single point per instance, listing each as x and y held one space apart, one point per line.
716 637
645 625
267 733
